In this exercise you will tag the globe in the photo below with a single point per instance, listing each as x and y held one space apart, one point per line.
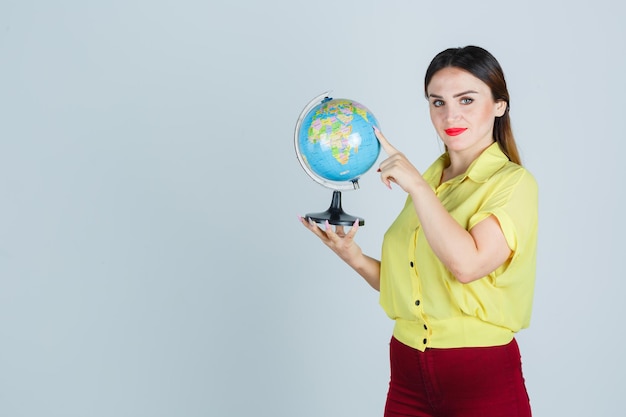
335 145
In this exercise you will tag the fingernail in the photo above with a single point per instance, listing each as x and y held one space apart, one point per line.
378 170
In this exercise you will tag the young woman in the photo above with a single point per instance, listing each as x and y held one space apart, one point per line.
457 267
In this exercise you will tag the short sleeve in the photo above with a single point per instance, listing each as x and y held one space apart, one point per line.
513 201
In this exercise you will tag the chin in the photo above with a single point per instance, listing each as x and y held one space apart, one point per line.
456 145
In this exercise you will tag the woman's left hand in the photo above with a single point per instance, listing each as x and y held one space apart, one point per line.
397 168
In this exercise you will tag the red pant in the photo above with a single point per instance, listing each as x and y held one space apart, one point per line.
467 382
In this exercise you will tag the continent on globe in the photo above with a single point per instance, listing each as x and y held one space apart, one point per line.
332 127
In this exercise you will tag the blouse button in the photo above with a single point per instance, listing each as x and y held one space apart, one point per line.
411 263
417 302
424 341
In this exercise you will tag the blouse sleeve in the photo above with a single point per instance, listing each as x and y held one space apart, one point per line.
513 202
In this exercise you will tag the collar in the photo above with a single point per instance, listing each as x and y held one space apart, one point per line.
483 167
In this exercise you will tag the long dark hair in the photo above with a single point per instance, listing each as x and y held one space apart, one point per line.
484 66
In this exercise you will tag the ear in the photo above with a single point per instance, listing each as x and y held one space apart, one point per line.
501 106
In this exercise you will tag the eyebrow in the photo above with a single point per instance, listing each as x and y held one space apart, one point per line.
456 95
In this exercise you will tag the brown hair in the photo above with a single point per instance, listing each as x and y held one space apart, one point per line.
484 66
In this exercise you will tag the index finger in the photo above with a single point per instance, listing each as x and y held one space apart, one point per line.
387 147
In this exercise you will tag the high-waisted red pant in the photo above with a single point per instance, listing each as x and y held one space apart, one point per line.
459 382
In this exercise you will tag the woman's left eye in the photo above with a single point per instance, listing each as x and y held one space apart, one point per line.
466 100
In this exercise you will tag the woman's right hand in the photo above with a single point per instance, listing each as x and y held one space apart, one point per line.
345 247
337 240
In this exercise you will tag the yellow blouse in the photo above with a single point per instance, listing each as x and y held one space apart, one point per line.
430 307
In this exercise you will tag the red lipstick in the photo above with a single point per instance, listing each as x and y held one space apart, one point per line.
455 131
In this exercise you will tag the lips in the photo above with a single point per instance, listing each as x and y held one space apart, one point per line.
455 131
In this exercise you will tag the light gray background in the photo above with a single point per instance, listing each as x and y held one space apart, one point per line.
151 260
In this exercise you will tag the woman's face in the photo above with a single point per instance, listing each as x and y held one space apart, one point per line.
462 110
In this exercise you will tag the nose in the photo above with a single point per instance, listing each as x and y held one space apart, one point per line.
452 113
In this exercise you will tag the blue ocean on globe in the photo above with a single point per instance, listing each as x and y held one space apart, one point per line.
336 140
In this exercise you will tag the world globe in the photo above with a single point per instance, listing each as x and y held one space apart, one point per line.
335 145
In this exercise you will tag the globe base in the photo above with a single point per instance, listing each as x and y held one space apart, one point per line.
335 214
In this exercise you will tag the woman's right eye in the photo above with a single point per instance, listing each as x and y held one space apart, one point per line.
438 103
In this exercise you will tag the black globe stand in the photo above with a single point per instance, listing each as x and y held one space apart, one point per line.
335 214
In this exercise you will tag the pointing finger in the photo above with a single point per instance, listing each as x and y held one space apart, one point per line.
387 147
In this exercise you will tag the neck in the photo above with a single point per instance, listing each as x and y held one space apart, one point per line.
460 162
